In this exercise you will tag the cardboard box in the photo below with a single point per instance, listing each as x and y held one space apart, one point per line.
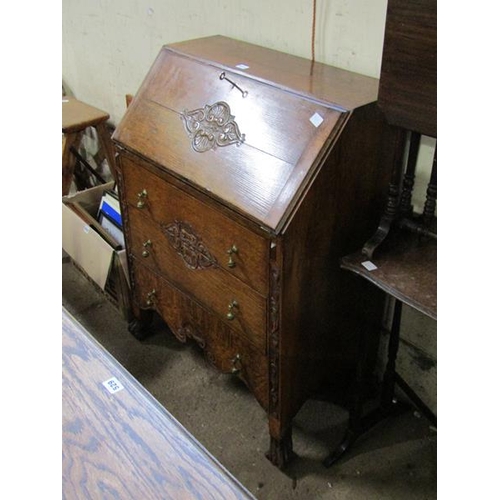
92 250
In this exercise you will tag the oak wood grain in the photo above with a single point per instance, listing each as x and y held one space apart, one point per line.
189 319
148 166
165 204
158 133
211 285
279 135
323 306
124 444
180 84
333 85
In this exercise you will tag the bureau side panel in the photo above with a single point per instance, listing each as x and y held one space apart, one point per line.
323 307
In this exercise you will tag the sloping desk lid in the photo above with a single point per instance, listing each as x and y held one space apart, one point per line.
251 143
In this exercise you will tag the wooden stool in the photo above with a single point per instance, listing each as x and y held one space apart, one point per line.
76 117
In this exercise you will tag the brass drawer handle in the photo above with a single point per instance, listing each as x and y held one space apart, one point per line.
232 307
236 361
146 244
151 298
233 250
142 195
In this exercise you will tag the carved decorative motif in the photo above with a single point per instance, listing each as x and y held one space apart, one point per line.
188 245
187 330
125 220
212 126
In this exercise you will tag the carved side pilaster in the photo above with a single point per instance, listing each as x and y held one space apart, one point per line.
274 338
125 220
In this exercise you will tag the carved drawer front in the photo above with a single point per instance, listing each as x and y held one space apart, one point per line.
238 305
224 349
200 235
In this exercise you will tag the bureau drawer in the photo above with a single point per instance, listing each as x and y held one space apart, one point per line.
228 351
199 233
235 303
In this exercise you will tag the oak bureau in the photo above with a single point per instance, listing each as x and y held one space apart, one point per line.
244 175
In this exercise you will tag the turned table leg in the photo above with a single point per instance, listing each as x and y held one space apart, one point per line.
388 406
354 426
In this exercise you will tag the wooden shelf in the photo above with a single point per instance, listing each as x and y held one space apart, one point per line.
406 269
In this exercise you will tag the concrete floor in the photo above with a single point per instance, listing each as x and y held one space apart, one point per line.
396 460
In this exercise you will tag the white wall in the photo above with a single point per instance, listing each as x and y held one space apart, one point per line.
109 45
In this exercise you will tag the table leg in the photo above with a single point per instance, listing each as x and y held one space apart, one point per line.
359 424
354 426
68 159
107 145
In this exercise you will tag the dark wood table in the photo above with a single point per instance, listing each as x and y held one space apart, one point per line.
401 257
406 268
119 442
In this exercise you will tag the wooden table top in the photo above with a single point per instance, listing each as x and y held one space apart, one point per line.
119 442
406 269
